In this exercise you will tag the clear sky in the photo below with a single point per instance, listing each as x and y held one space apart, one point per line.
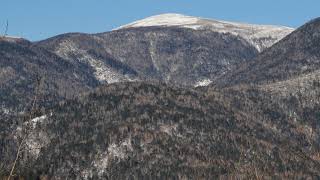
40 19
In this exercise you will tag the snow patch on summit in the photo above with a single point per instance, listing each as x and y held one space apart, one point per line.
164 20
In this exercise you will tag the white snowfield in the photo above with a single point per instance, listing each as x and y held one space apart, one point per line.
260 36
164 20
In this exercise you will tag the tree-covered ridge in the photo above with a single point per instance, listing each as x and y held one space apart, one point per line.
154 130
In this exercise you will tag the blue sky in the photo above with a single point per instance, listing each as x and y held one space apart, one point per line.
40 19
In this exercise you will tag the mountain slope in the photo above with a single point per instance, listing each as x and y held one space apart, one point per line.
295 55
170 54
21 63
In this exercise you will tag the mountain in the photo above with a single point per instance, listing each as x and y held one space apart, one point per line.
288 75
140 130
22 63
165 48
289 72
260 36
259 118
172 55
295 56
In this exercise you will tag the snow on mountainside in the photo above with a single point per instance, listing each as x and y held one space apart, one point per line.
204 82
102 73
261 36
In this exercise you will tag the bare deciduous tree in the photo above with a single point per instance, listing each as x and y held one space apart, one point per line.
28 128
7 28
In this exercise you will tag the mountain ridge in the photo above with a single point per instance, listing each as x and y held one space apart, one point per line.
294 55
251 32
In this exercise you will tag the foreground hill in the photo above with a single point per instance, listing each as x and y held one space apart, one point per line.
138 130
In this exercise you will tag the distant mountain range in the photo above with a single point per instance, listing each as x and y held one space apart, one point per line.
171 48
170 96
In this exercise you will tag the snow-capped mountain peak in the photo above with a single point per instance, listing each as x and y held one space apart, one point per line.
169 19
260 36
